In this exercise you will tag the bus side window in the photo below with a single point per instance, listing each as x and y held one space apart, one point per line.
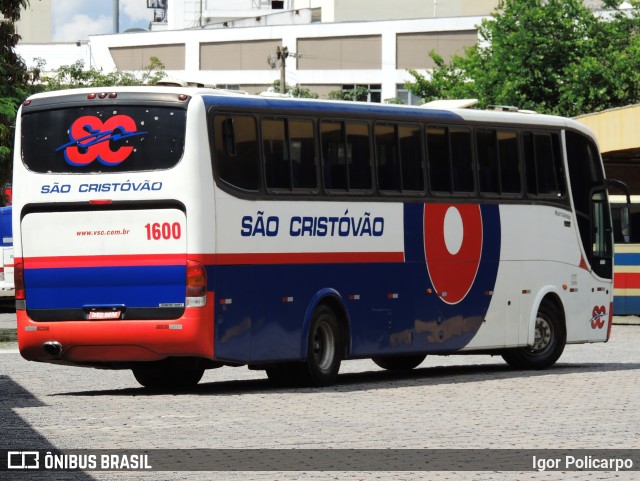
488 166
358 156
498 161
302 152
387 157
346 156
410 140
276 154
236 151
333 155
399 158
543 163
510 173
289 154
548 166
461 160
438 159
450 160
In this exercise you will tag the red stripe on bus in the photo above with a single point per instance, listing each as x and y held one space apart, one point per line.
299 258
626 280
104 261
212 259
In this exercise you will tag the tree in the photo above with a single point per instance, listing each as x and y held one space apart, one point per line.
296 91
76 75
356 94
13 84
552 56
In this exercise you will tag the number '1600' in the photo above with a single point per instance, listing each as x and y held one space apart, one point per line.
166 231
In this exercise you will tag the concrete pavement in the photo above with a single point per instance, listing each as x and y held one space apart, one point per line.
8 331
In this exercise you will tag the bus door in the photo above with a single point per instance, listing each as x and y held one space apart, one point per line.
590 201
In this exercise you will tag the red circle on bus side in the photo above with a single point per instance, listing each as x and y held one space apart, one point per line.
453 247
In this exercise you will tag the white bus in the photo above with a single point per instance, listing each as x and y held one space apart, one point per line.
169 231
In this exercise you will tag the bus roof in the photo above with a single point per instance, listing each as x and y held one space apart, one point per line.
231 99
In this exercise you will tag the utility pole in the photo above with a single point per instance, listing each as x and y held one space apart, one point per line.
116 16
282 54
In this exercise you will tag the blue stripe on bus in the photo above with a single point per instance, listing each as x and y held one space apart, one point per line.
627 259
326 107
63 288
6 231
626 305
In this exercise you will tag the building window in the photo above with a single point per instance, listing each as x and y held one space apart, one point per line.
374 91
406 96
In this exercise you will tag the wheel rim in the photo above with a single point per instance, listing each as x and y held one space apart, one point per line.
323 346
543 336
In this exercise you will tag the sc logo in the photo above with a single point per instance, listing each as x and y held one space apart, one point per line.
90 140
23 460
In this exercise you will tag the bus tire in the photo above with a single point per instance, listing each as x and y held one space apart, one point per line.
549 342
162 377
324 351
399 363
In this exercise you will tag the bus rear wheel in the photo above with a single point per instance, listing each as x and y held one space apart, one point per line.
168 377
324 352
550 339
399 363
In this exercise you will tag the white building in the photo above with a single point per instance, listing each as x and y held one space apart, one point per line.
36 22
375 54
336 43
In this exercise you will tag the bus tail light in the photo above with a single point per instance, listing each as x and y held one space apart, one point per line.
196 284
18 279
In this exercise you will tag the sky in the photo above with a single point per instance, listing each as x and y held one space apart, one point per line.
77 19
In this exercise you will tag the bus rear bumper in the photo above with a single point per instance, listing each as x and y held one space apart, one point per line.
118 341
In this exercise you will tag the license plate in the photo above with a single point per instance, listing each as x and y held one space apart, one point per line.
104 315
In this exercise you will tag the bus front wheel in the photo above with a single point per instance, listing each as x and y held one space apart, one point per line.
550 339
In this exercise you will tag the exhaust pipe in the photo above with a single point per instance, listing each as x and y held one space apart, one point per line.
53 348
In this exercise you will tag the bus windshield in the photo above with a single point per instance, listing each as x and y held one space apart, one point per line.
99 139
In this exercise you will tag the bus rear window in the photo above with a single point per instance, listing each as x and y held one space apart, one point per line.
103 139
